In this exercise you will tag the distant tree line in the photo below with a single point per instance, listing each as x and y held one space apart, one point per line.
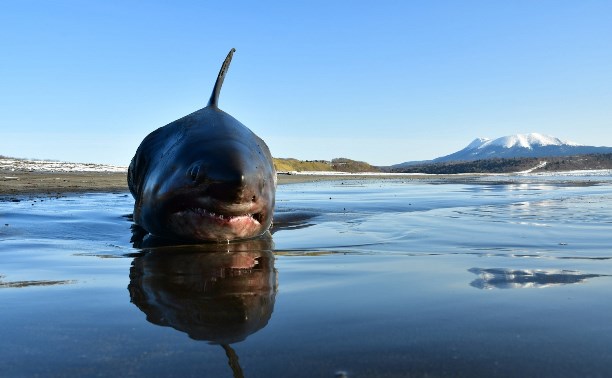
510 165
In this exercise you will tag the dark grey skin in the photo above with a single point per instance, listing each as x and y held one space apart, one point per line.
204 177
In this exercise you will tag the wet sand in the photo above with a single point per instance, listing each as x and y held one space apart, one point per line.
16 183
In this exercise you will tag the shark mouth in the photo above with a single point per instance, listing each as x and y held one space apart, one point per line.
224 218
200 224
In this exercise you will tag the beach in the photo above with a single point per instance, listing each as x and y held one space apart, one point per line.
14 183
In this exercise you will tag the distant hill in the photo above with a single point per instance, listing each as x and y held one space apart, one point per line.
532 145
289 165
353 166
338 165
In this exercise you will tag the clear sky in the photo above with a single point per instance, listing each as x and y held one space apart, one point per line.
379 81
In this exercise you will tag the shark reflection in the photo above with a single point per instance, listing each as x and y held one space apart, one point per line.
520 279
220 293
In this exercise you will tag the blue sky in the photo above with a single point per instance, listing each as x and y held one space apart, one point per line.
384 82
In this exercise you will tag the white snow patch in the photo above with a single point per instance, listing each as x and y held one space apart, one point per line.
55 166
541 165
577 173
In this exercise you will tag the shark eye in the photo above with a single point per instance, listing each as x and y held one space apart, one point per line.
198 172
194 171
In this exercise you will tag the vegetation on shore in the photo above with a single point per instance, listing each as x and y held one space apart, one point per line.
337 165
290 165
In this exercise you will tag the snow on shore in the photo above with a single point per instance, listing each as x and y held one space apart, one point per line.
541 165
578 173
12 164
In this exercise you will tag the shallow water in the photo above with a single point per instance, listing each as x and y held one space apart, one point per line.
501 277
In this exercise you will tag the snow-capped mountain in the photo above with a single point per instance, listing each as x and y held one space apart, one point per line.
518 145
528 141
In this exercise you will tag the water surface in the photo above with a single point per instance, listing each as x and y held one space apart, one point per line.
502 277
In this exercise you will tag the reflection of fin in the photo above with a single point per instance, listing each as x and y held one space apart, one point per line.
233 362
526 278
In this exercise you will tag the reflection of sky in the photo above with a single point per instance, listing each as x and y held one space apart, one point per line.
527 278
533 213
394 286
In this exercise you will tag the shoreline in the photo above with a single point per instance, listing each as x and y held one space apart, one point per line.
15 183
18 183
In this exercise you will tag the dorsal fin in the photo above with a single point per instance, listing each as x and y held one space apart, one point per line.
214 98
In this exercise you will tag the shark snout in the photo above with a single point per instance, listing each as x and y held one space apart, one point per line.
225 185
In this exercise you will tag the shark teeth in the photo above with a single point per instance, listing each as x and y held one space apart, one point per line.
207 213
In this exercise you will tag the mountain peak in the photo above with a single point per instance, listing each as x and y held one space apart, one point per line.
528 141
477 143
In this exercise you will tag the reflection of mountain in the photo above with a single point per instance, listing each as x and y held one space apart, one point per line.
205 291
520 279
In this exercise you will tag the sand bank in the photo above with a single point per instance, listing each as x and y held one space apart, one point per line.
45 183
